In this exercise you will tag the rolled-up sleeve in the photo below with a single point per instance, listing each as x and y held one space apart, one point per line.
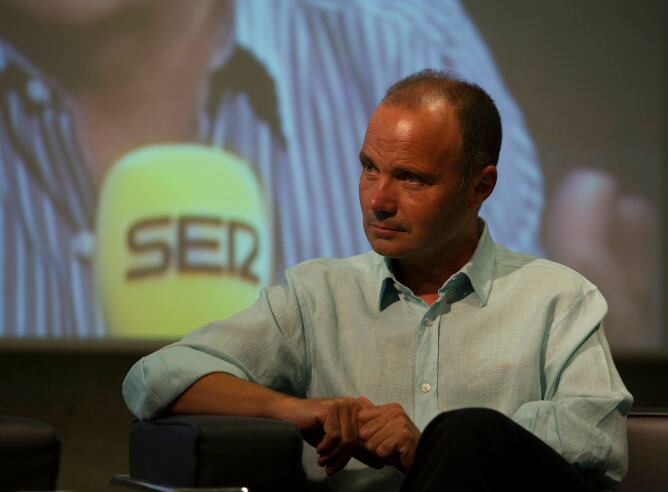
263 344
583 411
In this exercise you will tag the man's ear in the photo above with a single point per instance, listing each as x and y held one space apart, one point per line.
483 185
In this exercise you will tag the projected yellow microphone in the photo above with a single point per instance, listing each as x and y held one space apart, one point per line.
182 238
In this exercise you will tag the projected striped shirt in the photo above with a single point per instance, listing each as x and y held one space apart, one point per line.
328 63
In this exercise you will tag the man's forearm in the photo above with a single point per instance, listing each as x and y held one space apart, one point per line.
224 394
328 424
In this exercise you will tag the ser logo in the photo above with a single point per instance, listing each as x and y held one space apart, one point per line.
192 244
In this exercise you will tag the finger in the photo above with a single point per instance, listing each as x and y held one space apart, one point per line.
366 403
339 457
340 430
377 436
338 461
367 430
367 457
348 423
389 409
332 431
369 413
328 444
395 443
347 438
374 425
398 452
387 450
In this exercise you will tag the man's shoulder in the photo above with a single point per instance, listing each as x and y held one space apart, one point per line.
361 264
539 273
10 56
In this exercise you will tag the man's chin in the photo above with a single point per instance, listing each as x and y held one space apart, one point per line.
386 248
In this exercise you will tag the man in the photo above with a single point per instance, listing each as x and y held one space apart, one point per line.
437 318
288 86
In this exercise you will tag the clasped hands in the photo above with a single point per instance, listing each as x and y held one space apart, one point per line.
344 428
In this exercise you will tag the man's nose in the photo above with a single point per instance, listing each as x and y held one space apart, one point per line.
383 200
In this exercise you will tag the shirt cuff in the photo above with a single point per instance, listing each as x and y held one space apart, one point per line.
157 380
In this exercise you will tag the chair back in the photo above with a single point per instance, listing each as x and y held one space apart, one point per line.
648 451
29 454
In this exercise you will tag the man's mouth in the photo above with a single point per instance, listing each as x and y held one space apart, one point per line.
384 228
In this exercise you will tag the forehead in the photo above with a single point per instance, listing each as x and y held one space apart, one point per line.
430 132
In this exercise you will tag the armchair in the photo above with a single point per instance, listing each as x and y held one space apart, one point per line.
199 451
648 451
263 455
29 454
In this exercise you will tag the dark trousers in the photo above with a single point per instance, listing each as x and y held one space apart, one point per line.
477 449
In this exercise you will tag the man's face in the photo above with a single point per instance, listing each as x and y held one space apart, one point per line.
72 12
413 205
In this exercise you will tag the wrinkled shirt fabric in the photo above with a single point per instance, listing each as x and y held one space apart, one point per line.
510 332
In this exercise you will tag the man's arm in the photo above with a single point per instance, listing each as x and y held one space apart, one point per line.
253 364
328 424
265 344
223 394
582 412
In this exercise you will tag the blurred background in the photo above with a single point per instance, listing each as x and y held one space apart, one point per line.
162 161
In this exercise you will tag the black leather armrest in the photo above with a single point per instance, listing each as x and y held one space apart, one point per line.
29 454
217 451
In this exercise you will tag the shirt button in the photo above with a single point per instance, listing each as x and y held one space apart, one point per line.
83 246
425 387
37 91
428 322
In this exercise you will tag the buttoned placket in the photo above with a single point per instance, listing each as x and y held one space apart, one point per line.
425 383
426 365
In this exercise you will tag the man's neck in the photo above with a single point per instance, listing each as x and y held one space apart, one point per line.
426 278
147 84
136 72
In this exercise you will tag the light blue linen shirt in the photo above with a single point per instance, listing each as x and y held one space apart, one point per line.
511 332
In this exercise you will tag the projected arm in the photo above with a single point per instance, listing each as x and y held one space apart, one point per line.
609 236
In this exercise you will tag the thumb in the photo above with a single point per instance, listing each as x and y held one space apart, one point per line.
366 403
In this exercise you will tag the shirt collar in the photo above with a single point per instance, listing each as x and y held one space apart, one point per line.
388 291
480 268
479 272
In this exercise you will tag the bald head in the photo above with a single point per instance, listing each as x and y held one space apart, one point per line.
478 118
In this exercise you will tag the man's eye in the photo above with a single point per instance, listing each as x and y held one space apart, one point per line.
412 178
368 167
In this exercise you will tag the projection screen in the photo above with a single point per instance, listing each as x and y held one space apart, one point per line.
162 162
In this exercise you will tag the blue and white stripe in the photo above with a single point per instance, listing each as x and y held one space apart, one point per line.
329 62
